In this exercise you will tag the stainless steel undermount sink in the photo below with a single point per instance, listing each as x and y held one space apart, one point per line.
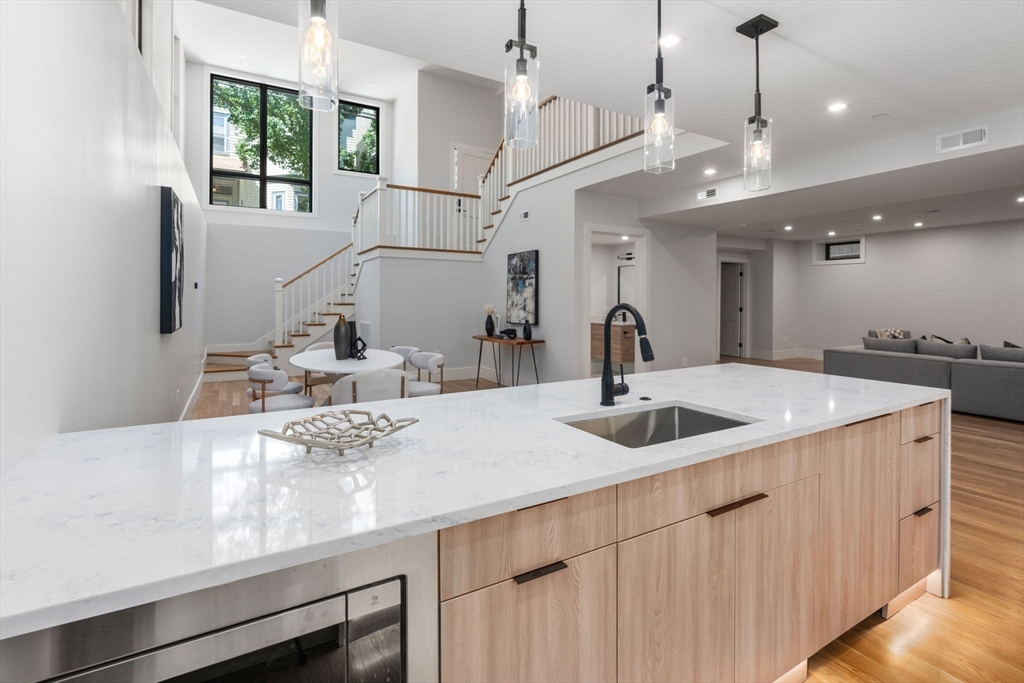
657 425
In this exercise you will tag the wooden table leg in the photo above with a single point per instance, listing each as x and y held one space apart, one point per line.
479 358
496 357
520 371
536 372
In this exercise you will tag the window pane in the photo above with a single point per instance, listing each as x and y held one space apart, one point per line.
288 126
357 138
229 191
241 104
288 197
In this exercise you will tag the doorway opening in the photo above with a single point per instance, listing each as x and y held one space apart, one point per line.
731 308
615 264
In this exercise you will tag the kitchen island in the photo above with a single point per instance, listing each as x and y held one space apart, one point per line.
104 522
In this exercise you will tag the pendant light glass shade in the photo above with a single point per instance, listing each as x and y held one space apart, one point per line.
659 130
522 89
757 158
318 50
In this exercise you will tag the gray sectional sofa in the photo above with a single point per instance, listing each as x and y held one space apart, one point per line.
994 388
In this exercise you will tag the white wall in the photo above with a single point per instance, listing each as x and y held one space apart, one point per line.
954 282
405 133
785 296
603 278
80 342
242 262
452 111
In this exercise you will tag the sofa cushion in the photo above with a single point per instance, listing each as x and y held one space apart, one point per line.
992 388
933 348
1011 345
1013 354
889 334
885 366
894 345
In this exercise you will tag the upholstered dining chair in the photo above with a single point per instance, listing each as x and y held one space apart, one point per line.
372 385
266 385
267 359
313 379
433 363
407 352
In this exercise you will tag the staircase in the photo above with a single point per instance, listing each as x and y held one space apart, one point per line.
394 220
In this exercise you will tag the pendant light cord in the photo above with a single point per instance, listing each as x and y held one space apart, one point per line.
522 27
658 71
757 78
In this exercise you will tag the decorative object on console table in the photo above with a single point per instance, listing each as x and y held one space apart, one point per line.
521 287
342 339
172 261
339 430
509 333
489 321
527 331
358 349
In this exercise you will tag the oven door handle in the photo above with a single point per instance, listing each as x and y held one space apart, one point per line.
202 651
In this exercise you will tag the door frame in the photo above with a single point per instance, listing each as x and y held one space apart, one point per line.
482 152
642 253
744 298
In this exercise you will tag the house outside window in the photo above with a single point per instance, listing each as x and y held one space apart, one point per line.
358 138
261 147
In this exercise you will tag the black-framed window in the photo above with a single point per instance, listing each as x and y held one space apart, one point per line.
261 147
842 251
358 137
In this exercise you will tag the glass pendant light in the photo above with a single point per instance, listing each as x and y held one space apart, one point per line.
318 82
757 136
659 119
522 88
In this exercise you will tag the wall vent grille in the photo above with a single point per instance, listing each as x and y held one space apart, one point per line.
705 195
961 139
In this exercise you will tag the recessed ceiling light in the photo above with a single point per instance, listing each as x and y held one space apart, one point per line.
1020 199
241 56
877 218
625 237
837 106
788 227
832 233
669 40
372 85
918 225
709 171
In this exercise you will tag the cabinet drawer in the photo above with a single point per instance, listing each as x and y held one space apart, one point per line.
921 421
919 545
663 499
557 627
920 466
490 550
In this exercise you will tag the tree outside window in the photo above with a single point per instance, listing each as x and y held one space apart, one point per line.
358 141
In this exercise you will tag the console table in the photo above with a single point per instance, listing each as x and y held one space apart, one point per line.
496 345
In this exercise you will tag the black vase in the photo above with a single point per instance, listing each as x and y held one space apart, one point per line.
352 336
527 331
489 326
342 339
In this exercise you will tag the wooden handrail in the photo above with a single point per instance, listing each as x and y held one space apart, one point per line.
546 102
578 156
391 246
494 158
317 265
368 195
430 191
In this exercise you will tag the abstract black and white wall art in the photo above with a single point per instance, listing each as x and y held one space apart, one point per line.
172 261
521 289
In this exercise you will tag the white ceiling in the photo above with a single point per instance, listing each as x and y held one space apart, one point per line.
610 239
258 45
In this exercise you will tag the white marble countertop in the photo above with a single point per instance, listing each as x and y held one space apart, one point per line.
94 522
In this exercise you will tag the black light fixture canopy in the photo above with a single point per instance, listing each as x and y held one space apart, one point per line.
757 162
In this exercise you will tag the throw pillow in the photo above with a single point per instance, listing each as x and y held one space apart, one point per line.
1014 354
963 340
894 345
888 334
947 349
937 338
1010 345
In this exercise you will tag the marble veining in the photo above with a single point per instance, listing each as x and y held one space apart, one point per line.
94 522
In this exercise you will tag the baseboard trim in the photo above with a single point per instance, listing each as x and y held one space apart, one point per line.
194 396
786 354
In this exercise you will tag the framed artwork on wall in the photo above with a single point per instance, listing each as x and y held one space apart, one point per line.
522 287
172 261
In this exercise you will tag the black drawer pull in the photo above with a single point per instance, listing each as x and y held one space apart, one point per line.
530 507
923 511
538 573
924 439
735 506
860 422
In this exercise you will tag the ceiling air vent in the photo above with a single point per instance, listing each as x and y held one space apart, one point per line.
707 194
961 139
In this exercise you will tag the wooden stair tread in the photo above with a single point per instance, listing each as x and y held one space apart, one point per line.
483 240
219 367
281 346
310 324
504 198
298 334
342 303
488 227
495 213
236 354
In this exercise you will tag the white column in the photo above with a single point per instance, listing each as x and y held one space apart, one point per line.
382 211
278 311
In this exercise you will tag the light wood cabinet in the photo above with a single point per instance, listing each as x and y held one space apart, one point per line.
490 550
677 602
859 522
557 627
919 545
776 581
920 471
663 499
623 341
920 421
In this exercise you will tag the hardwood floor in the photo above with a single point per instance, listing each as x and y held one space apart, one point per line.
975 635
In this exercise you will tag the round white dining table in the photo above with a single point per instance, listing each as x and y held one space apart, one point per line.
323 360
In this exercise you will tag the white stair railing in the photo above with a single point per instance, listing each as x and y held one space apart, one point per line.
309 295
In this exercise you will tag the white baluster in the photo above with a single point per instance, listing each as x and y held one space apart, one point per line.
278 311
